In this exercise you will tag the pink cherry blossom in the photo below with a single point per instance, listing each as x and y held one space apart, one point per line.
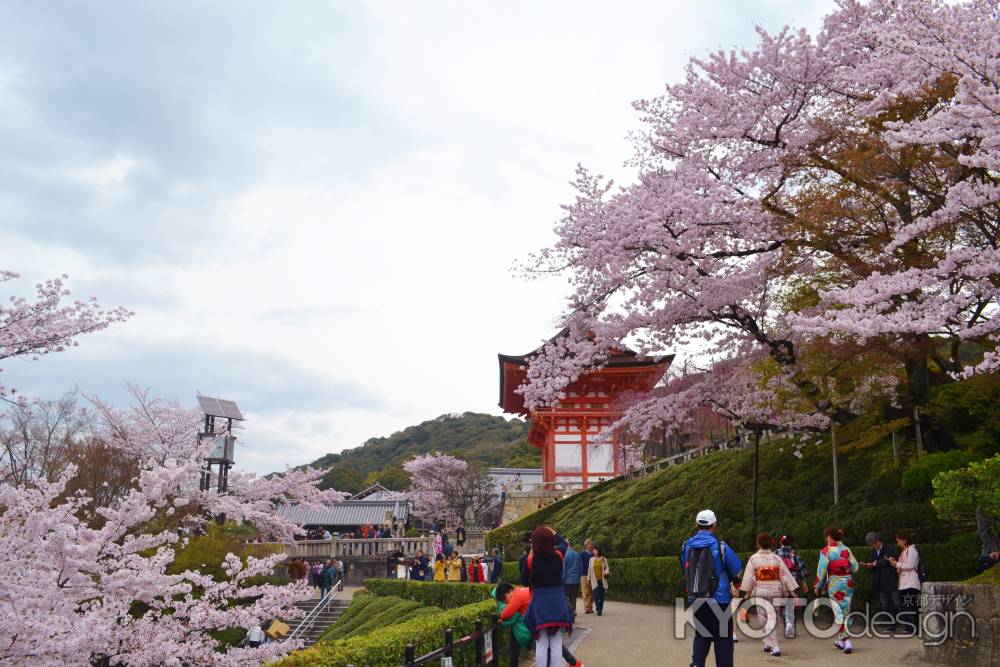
699 253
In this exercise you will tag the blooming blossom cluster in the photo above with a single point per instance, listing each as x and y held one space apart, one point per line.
32 328
857 165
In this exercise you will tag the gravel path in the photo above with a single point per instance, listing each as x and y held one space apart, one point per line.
629 635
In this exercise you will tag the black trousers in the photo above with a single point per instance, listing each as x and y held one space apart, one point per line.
908 609
889 602
708 613
572 593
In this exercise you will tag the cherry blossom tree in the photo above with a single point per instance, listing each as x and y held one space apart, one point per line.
83 581
87 577
840 187
443 486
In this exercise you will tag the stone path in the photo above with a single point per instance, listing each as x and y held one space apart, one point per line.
629 635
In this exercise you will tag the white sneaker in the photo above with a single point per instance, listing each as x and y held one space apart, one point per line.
776 652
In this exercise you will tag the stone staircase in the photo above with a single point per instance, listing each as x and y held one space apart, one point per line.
323 620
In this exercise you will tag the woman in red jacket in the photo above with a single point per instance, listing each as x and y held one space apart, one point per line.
475 572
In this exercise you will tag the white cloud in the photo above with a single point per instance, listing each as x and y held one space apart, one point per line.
333 197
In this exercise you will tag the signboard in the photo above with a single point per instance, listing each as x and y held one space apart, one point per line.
488 644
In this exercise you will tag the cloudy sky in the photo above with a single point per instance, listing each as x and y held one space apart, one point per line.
314 207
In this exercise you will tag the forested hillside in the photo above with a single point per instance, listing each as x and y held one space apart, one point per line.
651 515
482 439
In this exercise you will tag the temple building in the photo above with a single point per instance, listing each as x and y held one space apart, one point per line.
573 434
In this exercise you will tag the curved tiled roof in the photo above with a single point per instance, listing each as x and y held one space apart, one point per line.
348 513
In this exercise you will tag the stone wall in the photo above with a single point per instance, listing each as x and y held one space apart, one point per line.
359 568
521 503
965 645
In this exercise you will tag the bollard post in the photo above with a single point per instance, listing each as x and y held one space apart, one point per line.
480 646
408 656
495 635
449 646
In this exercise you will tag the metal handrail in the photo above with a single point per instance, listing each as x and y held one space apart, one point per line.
450 644
310 618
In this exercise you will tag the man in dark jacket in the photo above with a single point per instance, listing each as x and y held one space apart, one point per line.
884 575
522 566
522 562
496 566
424 570
989 534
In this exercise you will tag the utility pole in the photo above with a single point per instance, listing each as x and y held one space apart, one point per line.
916 425
836 479
756 477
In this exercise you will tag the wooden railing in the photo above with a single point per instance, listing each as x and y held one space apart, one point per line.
346 548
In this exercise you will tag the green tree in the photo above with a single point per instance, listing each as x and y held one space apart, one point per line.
959 494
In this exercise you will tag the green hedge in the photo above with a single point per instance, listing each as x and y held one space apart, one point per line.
658 580
427 609
444 594
385 647
369 613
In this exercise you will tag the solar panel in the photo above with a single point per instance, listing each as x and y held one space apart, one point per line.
219 407
230 409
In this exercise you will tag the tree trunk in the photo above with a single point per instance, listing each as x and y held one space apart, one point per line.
836 479
756 479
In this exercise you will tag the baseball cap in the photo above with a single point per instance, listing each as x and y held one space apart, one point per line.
706 518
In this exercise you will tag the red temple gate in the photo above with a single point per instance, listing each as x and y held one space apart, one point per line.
577 449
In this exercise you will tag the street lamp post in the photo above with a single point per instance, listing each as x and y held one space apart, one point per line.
223 449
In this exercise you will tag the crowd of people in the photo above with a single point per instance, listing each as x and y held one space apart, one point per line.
319 574
447 562
362 532
554 576
714 573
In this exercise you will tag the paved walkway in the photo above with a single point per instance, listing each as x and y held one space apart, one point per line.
630 635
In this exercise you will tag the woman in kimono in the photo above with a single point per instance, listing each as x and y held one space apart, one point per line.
835 575
767 577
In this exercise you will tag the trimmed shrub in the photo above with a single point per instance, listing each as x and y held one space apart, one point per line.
444 594
369 613
385 647
918 475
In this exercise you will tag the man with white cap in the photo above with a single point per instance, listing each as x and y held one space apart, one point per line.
708 567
